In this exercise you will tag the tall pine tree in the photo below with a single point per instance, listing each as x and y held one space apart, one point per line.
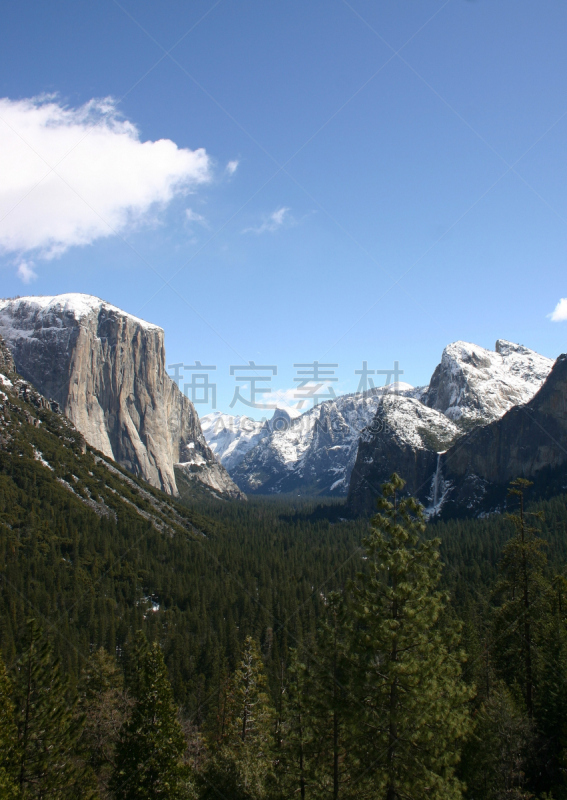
521 617
241 767
332 705
48 728
106 707
149 753
412 701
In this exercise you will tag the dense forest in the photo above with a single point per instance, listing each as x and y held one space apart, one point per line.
197 648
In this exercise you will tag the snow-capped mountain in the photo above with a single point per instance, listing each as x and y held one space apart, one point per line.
232 437
318 453
106 368
473 385
528 441
315 454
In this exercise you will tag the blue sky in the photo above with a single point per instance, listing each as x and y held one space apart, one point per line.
378 178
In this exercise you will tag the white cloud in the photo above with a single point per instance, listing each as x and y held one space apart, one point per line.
192 216
282 398
26 272
559 313
232 166
272 223
71 176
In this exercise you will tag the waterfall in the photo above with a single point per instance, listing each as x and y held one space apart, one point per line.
438 489
436 482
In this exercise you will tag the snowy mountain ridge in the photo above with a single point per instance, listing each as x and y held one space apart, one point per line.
476 385
231 437
318 452
73 304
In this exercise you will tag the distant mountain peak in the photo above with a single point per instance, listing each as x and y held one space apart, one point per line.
476 385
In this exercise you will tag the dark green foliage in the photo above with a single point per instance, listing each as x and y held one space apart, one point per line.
333 705
522 588
413 704
294 740
496 759
244 750
95 555
48 730
92 573
148 755
9 787
106 707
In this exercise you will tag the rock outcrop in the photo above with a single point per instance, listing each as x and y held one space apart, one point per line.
106 368
405 436
6 361
529 441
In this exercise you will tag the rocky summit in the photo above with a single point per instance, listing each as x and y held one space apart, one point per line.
106 369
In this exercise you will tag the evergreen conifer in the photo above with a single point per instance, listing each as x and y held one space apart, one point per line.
48 728
412 701
9 789
149 753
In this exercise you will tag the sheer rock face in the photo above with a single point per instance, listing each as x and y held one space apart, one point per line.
530 441
6 361
107 370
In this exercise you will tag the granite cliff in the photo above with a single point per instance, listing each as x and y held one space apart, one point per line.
106 369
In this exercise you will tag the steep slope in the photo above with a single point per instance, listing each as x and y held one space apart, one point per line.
315 454
529 441
46 443
474 386
106 368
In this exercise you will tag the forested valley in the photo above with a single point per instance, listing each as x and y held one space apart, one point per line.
273 649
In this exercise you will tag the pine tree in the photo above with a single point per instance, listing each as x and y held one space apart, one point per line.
294 731
149 753
48 728
520 618
242 764
9 789
106 707
331 705
412 702
496 756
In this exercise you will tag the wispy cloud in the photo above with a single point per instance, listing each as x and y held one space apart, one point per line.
282 398
74 175
232 166
192 216
26 271
559 313
272 223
